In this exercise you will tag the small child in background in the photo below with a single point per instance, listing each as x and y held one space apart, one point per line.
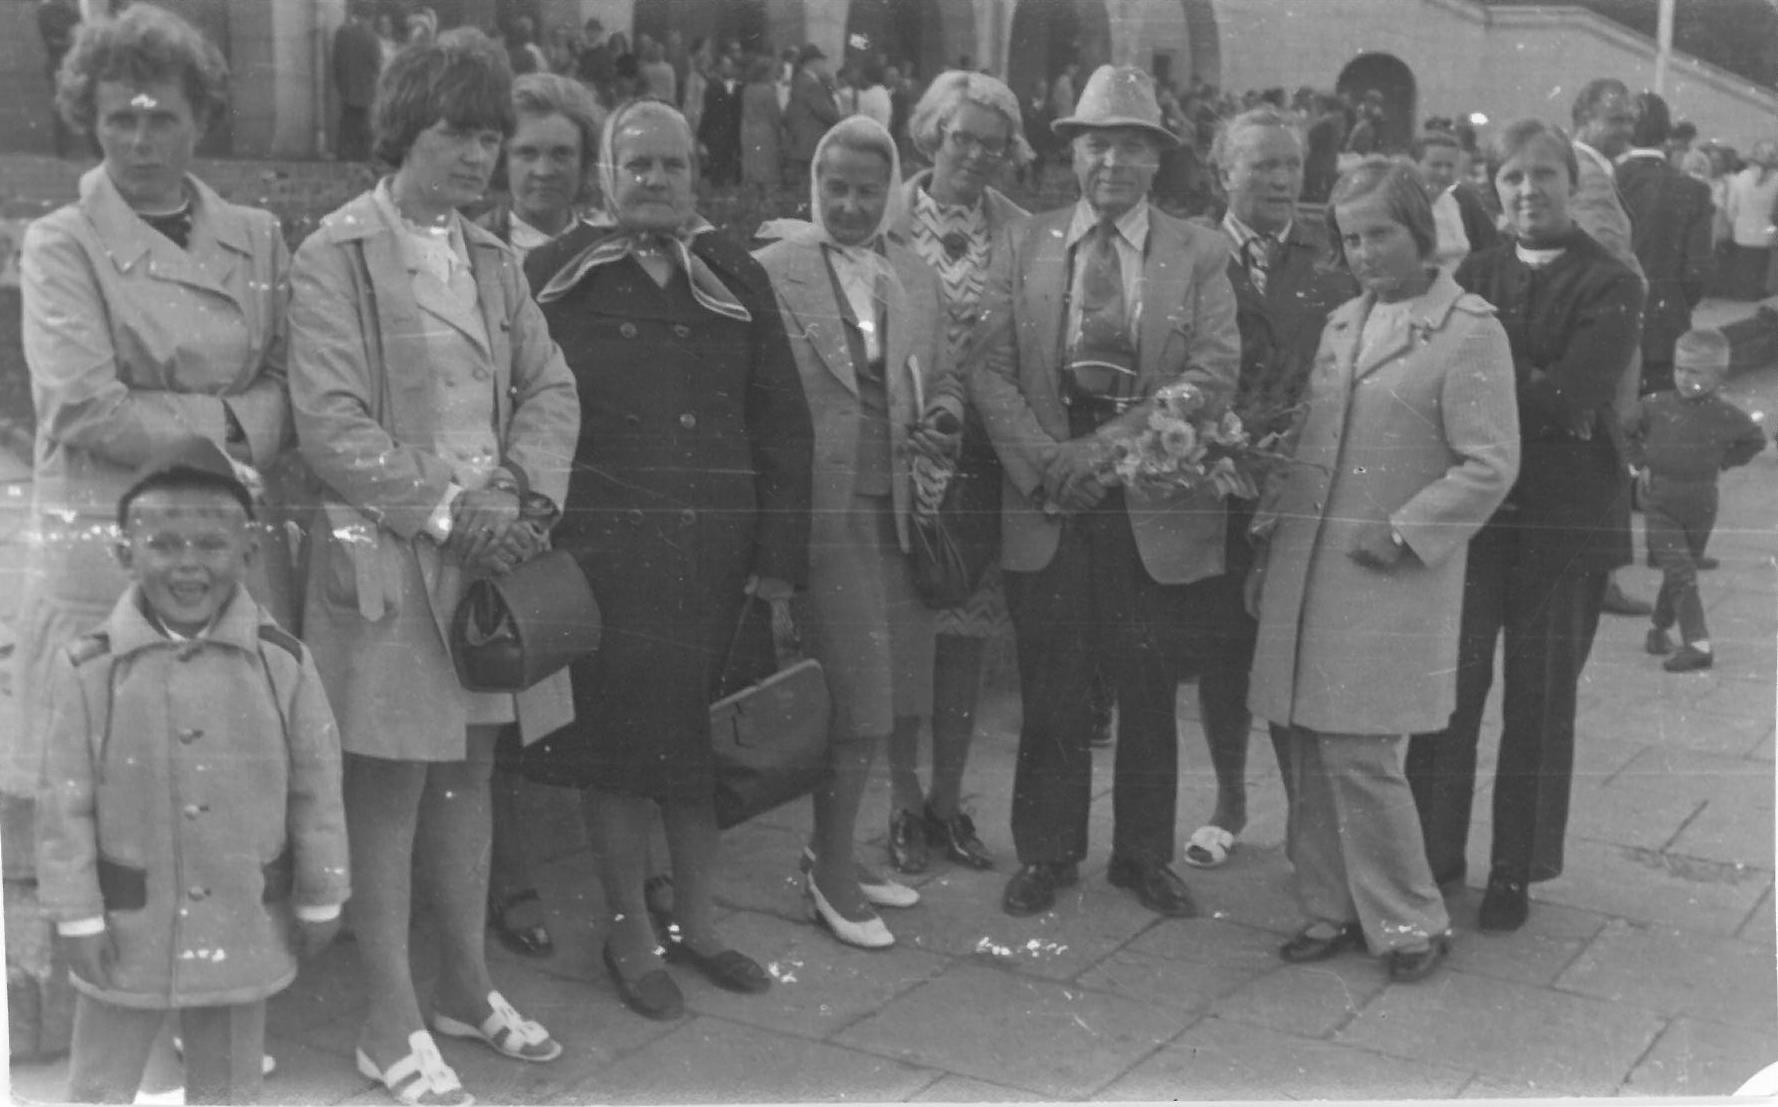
1679 442
190 833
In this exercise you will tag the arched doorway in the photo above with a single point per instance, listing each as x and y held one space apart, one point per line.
1048 34
899 31
1390 76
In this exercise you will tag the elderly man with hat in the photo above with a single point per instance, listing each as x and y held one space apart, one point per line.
1088 311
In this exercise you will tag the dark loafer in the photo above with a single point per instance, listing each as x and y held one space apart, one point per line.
730 970
1505 905
529 941
956 836
907 843
1033 888
1309 947
1157 886
1407 966
653 996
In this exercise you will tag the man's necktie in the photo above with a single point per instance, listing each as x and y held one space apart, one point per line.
1258 255
1104 362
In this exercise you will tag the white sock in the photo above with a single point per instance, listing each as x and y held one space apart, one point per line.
1702 645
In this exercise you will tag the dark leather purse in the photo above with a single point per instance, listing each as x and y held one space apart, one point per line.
953 544
770 737
511 631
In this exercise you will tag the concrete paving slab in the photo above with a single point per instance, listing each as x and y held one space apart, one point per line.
1071 1041
1734 826
309 1075
1631 809
1514 1033
1656 889
1663 716
1693 1057
1761 926
1222 1060
709 1060
1536 953
1189 987
1672 972
1310 1001
1253 889
962 1089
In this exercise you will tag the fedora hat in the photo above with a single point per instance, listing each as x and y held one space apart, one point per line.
1117 96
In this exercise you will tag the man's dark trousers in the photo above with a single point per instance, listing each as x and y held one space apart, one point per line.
1095 604
1548 620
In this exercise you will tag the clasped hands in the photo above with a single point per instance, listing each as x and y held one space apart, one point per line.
488 535
1075 478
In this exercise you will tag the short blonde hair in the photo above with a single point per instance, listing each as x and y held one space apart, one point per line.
1404 197
948 92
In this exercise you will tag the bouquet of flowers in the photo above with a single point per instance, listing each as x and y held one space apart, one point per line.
1184 447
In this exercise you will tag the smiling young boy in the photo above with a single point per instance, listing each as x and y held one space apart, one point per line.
1681 440
190 832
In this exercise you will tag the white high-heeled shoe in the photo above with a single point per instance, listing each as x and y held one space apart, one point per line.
879 890
869 934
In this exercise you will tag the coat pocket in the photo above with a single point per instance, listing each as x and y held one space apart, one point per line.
122 887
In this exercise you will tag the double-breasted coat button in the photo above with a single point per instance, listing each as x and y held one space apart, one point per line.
481 373
687 517
190 734
628 330
680 330
631 419
197 893
688 420
193 810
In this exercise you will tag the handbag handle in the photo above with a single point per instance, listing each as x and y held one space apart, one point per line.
787 644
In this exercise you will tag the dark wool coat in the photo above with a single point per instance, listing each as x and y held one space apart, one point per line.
1670 216
1573 326
692 472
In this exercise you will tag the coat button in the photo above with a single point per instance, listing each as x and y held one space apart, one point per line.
190 734
197 892
687 517
680 330
193 810
635 516
688 420
628 330
631 419
481 373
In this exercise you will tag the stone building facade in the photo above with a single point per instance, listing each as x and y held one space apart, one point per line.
1429 57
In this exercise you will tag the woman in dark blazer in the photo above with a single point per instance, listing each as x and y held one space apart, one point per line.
1538 570
690 487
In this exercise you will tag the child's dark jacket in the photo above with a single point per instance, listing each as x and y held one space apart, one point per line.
190 795
1692 440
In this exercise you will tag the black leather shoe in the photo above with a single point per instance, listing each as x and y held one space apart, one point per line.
907 843
1505 905
1616 603
1689 659
1033 888
730 970
530 941
1157 887
1308 947
956 836
653 995
1407 966
1451 879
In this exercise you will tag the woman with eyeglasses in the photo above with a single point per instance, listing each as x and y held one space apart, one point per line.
967 124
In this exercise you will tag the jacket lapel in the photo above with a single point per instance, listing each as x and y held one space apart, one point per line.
1045 295
899 366
1165 275
808 293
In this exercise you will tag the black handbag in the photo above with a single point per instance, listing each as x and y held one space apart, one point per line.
770 737
953 544
511 631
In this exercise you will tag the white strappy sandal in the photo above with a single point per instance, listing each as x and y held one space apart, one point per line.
421 1079
505 1031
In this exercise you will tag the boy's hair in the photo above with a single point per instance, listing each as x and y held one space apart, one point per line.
192 463
1706 348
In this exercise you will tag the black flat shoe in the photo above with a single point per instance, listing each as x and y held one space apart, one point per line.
653 996
528 941
907 843
1033 888
956 836
1505 905
729 970
657 897
1407 966
1307 947
1156 885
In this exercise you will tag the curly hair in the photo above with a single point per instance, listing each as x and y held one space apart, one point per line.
460 77
144 45
952 89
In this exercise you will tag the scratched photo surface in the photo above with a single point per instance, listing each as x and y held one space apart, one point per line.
760 551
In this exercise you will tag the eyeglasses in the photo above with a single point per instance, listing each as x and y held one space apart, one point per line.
967 143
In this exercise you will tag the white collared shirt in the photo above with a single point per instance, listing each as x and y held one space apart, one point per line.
1240 234
1131 243
857 270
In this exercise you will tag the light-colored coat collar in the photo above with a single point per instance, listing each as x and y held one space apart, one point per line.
807 291
130 630
219 235
1346 327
